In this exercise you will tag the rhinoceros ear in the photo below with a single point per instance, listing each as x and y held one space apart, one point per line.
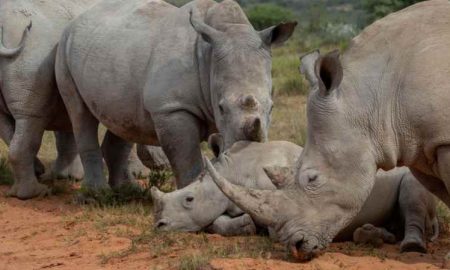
216 144
307 66
281 177
277 35
328 70
208 33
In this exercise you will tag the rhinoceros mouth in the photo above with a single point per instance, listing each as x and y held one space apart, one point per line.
302 243
305 248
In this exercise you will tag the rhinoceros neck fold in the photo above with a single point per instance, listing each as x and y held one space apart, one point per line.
203 55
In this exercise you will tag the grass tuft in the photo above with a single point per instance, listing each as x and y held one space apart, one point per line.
6 177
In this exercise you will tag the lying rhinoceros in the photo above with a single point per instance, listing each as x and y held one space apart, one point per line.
156 74
384 103
202 205
30 102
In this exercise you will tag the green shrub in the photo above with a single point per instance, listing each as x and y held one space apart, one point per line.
265 15
379 8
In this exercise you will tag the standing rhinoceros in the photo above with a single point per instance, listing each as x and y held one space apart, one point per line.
201 205
160 75
30 101
383 104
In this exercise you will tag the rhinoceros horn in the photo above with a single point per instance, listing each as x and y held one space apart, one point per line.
156 194
11 52
253 202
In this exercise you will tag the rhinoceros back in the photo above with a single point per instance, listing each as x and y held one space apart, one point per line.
132 53
28 85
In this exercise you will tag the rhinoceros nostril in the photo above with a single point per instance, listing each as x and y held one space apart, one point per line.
312 178
161 224
299 244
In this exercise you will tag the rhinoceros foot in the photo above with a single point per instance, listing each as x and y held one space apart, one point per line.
248 226
73 171
369 234
413 244
136 169
29 190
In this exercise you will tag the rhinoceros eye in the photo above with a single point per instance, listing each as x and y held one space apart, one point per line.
188 201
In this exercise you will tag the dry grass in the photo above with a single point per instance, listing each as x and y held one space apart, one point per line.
289 119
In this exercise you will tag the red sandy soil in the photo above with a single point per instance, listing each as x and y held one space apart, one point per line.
36 234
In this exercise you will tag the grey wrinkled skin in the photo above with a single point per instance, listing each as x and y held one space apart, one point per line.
201 205
383 104
30 102
397 201
155 74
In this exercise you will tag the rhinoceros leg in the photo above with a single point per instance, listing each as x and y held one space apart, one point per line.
22 152
228 226
7 126
413 202
153 157
67 163
116 152
86 132
179 136
85 127
136 169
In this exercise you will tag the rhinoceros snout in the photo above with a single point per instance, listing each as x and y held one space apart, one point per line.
302 248
253 130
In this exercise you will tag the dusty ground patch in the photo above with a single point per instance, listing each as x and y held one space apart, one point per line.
53 233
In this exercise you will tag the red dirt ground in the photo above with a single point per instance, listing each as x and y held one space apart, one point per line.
39 234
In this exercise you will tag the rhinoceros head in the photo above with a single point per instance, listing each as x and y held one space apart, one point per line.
193 207
239 69
334 174
298 215
189 209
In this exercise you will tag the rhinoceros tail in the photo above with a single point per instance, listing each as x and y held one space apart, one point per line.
435 227
12 52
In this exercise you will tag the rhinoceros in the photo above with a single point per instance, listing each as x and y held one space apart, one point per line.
30 102
156 74
383 104
202 206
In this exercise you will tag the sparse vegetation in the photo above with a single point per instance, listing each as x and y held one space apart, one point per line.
6 177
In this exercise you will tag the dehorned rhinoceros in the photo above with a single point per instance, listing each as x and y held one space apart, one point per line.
201 205
156 74
384 103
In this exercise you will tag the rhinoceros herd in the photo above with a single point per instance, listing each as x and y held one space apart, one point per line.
154 74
